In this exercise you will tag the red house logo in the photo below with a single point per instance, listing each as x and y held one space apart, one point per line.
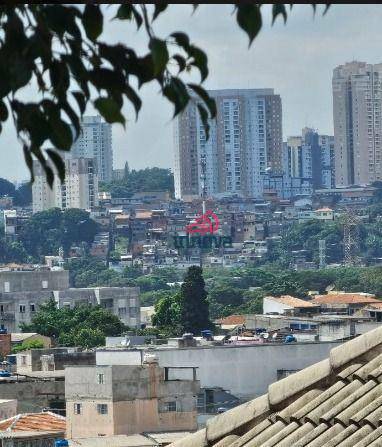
206 223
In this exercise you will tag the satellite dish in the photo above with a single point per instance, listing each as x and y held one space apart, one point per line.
266 335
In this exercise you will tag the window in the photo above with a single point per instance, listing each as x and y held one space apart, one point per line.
22 308
24 360
77 408
169 406
102 408
32 307
45 284
101 378
1 308
7 287
122 311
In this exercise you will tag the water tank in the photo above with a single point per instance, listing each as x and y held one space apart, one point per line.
61 443
188 336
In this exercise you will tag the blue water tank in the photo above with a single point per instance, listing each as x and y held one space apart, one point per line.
61 443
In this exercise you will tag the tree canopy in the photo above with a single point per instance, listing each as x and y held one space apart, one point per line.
60 48
84 326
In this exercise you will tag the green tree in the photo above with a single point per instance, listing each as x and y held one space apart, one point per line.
7 188
194 312
167 314
61 49
23 195
26 345
73 326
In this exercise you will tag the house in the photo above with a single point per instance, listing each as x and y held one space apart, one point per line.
231 322
128 399
8 408
18 338
336 402
288 305
344 303
37 429
324 214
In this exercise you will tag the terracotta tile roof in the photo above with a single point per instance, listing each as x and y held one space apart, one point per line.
345 298
34 422
232 320
292 301
375 305
334 403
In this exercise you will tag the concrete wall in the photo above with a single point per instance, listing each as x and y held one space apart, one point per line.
33 396
272 306
8 408
36 280
245 371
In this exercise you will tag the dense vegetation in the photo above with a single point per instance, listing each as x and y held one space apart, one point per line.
46 232
149 179
83 326
22 196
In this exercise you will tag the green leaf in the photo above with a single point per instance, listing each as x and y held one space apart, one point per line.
181 40
58 162
59 77
181 61
3 111
126 11
134 99
159 8
204 117
200 61
159 54
177 93
109 109
92 20
209 102
249 19
61 135
277 9
81 101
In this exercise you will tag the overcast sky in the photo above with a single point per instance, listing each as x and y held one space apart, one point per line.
296 60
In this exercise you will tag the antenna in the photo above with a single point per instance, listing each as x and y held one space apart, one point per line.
322 253
351 238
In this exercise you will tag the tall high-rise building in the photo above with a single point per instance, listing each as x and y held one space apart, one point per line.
310 157
357 103
245 140
80 189
95 141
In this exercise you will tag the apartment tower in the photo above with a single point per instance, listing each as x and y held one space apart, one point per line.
95 141
245 142
357 105
79 190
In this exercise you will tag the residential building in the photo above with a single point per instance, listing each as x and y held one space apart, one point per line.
19 338
14 220
344 303
95 141
119 399
22 292
245 140
310 157
79 190
333 402
37 429
8 408
288 305
357 103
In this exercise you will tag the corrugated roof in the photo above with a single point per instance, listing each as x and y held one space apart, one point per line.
114 441
21 336
292 301
334 403
344 298
34 422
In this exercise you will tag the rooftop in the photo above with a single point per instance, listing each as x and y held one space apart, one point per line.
34 422
291 301
334 403
232 320
345 298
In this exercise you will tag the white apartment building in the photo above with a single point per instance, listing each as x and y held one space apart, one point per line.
80 189
357 103
95 141
245 140
326 143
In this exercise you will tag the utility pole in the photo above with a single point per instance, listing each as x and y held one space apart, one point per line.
322 253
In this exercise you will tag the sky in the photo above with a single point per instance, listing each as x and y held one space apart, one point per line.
296 60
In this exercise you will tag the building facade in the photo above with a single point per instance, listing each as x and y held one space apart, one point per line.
95 141
79 190
121 399
357 102
22 292
245 140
